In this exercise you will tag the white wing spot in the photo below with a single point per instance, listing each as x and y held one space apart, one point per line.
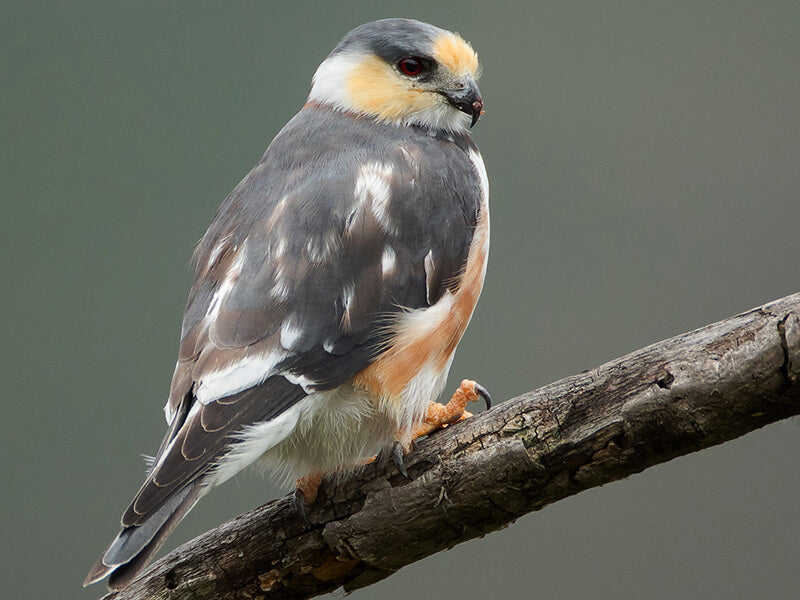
217 250
372 188
280 248
388 262
430 272
312 250
250 371
348 295
279 276
321 247
301 380
226 286
277 212
411 154
280 290
290 334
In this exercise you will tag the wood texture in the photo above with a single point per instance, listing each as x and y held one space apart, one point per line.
669 399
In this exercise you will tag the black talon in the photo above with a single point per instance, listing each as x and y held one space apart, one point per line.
397 457
483 393
299 501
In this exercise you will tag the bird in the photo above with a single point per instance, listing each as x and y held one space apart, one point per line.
331 288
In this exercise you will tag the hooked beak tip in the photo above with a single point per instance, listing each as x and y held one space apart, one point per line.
467 99
477 111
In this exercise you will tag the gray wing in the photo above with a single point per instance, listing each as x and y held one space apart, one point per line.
304 262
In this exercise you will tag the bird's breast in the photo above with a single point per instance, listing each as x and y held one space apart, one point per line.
423 341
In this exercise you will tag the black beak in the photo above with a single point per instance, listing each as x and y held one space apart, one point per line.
467 100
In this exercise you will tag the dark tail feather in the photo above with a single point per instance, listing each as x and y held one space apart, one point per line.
134 546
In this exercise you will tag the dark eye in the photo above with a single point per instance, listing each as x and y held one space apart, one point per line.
410 66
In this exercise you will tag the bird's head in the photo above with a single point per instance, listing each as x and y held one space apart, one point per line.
402 71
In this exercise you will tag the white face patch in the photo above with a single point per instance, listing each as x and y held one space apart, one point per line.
373 189
441 116
330 81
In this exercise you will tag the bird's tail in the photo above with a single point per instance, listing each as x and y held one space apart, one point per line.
134 546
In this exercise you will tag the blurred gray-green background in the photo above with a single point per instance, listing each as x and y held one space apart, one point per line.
645 170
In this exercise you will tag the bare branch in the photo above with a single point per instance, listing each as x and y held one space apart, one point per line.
666 400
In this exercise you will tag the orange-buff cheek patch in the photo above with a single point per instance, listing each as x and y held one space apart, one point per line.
374 88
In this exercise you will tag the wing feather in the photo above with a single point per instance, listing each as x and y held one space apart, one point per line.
194 449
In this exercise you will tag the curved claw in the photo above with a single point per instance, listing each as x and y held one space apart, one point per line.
484 393
299 501
397 458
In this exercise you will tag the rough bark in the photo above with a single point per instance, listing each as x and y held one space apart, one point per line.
666 400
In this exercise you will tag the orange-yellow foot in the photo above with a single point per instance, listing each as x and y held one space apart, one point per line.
308 486
440 416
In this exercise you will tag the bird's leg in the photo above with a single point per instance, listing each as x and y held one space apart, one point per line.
437 417
440 416
305 492
308 486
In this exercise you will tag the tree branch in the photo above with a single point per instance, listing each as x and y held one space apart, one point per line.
666 400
